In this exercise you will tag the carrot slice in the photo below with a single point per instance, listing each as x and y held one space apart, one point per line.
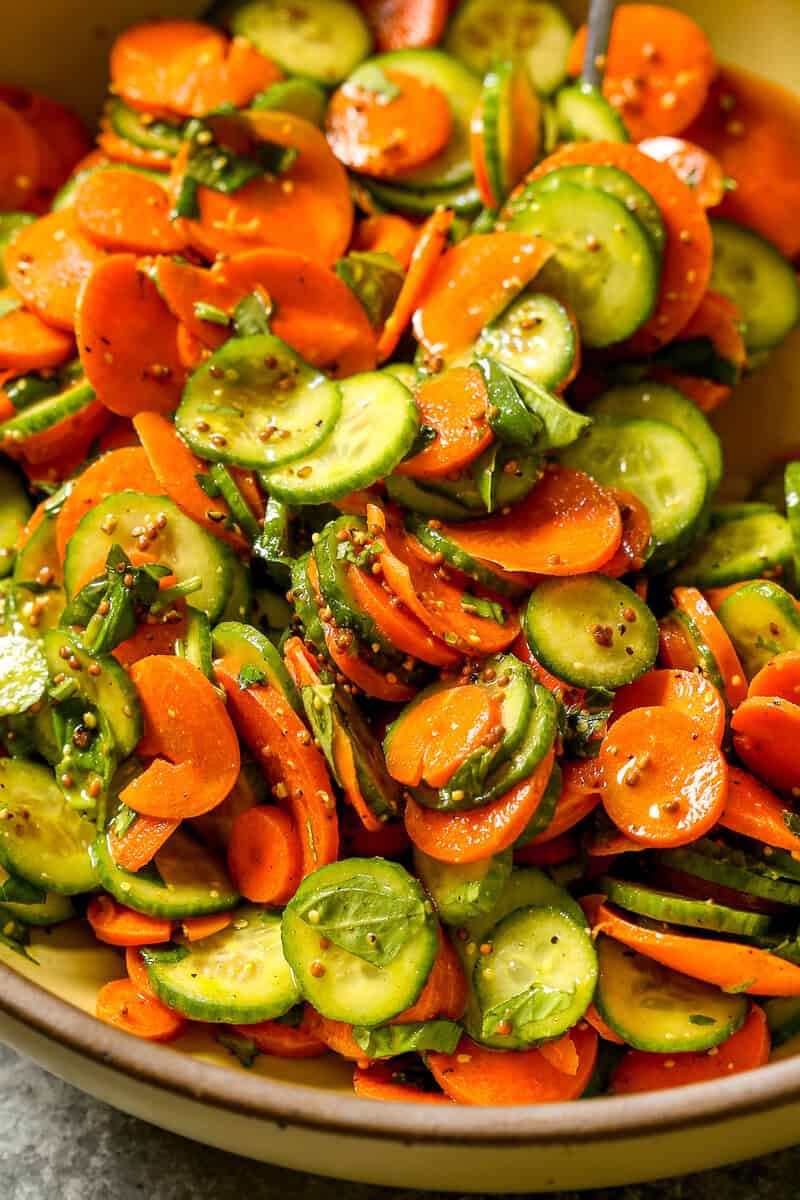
706 393
119 1004
62 135
692 602
401 628
133 365
141 842
445 992
686 692
765 734
752 810
175 469
596 1021
120 926
118 150
114 472
729 965
454 405
753 127
719 319
343 651
308 209
746 1049
780 677
68 440
284 1041
658 68
20 166
387 234
666 780
697 168
472 283
47 262
187 68
422 267
559 849
315 311
402 24
686 266
390 841
561 1054
26 342
264 857
157 638
582 785
387 1081
292 764
118 434
630 555
567 525
477 1075
194 929
432 738
189 736
137 971
467 837
387 135
125 210
338 1037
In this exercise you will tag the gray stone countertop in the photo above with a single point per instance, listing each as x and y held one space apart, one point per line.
58 1144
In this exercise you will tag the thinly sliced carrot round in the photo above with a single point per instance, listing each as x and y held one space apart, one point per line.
582 784
752 810
718 319
780 677
20 164
468 837
445 992
686 692
433 737
284 1041
422 267
117 925
687 251
666 779
706 393
48 262
632 550
697 168
344 758
264 857
766 734
188 735
118 150
63 139
141 842
387 233
472 283
125 210
387 136
194 929
693 603
121 1005
344 653
567 525
477 1075
114 472
405 24
454 405
558 850
386 1081
69 440
596 1021
658 70
27 343
133 365
396 623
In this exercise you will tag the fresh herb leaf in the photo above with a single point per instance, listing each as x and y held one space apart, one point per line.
209 312
562 424
251 676
111 606
510 419
243 1048
208 485
375 279
364 918
490 610
274 544
360 556
535 1003
387 1041
252 315
371 77
211 165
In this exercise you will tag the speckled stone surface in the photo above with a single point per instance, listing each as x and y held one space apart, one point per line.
57 1144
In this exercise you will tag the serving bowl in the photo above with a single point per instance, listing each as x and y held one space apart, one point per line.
303 1114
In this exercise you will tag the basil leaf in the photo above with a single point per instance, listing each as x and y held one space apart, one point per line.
251 315
510 418
15 936
534 1004
122 821
364 918
386 1041
375 279
240 1047
562 424
371 77
251 676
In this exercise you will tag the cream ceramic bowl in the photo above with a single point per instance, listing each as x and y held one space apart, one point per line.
303 1114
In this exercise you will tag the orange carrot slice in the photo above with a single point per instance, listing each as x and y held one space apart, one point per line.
47 262
159 638
125 210
692 602
632 550
63 139
118 150
194 929
114 472
264 856
558 850
453 404
401 628
780 677
387 234
445 992
26 342
686 692
119 1004
561 1054
422 267
284 1041
401 24
343 651
433 737
20 168
141 842
68 440
697 168
386 1081
582 785
596 1021
765 734
120 926
755 812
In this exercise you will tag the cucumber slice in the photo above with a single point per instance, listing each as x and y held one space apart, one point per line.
604 269
158 137
679 910
662 403
232 639
238 976
38 606
181 545
305 605
758 279
534 335
185 880
49 411
617 183
302 96
762 620
452 168
110 690
584 115
15 509
783 1017
196 646
437 541
720 514
591 631
751 547
718 864
791 484
545 810
463 891
536 743
23 674
464 199
659 465
240 597
535 32
324 39
376 430
349 896
333 552
10 225
42 839
538 978
272 613
425 501
53 910
267 406
240 511
656 1009
700 654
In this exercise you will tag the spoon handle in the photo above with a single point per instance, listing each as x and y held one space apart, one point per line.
601 13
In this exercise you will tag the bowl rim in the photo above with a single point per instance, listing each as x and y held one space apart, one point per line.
603 1119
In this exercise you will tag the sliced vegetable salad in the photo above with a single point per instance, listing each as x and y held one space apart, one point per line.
379 670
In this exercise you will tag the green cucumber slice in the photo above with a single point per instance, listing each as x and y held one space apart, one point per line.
463 891
333 552
762 620
53 910
49 411
680 910
245 644
158 137
699 650
758 279
783 1017
535 32
324 39
584 115
237 976
464 199
536 336
15 509
591 631
23 674
437 541
300 95
545 809
751 547
791 485
425 501
718 864
656 1009
353 457
196 646
110 690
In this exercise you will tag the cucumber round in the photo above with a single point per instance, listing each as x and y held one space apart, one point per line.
252 386
300 95
232 639
463 891
747 548
15 509
376 429
110 690
758 279
656 1009
762 620
783 1017
426 502
157 137
53 910
464 198
717 864
533 31
584 115
545 809
238 976
240 597
42 839
324 39
434 538
49 411
701 656
536 336
23 674
680 910
605 268
591 631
